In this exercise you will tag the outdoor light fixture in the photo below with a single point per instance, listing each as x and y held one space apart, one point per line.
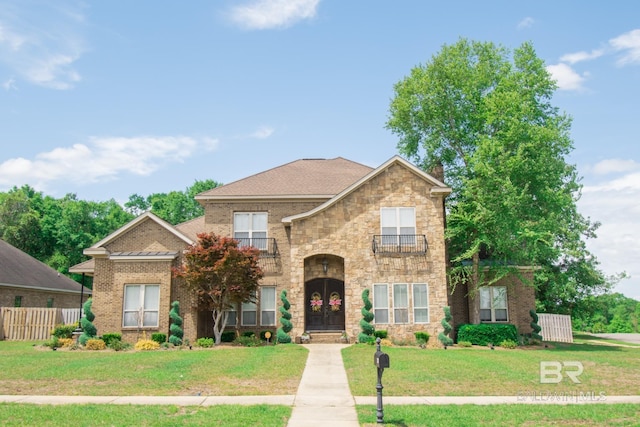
325 265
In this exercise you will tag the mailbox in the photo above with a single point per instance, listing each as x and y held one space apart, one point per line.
381 360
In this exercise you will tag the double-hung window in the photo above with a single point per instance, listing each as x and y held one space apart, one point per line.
249 313
141 304
420 303
398 226
380 303
493 304
250 229
232 316
400 303
268 305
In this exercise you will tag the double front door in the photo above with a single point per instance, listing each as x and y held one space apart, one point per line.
324 299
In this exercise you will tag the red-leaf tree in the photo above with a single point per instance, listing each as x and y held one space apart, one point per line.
222 273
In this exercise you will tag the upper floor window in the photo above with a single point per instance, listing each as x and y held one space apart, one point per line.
493 304
250 229
396 223
141 304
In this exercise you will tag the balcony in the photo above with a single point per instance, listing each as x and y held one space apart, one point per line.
403 244
266 245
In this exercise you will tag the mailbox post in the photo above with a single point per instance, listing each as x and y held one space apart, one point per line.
381 360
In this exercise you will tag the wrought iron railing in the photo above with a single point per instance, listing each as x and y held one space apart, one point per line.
266 245
410 244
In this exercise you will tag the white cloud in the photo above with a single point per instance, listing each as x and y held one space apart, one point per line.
268 14
629 44
263 132
566 77
102 158
572 58
10 85
615 204
526 23
610 166
43 45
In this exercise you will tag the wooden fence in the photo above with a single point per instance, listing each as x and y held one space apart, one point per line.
29 323
555 327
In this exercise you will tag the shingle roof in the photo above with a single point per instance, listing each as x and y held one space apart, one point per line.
300 178
192 227
20 269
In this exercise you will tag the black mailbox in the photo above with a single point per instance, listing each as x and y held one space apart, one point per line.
381 360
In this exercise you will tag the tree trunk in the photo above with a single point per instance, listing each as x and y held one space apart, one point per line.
219 322
474 292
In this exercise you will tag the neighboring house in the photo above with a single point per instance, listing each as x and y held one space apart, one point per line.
27 282
327 230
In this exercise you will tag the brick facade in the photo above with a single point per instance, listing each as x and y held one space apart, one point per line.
39 298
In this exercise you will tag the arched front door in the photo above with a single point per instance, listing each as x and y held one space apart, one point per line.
324 299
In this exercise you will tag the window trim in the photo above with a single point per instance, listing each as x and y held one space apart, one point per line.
253 302
275 306
415 307
396 307
250 231
385 308
492 308
143 289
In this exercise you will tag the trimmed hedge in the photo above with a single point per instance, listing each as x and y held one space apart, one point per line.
485 333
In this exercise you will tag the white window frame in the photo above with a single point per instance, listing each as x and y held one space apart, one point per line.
381 304
492 292
249 307
265 302
400 310
251 232
393 225
417 307
142 310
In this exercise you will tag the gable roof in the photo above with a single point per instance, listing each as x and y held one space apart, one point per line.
98 249
439 188
305 178
19 269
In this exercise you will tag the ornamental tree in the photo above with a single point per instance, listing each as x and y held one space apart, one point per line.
282 333
223 275
485 116
177 333
366 336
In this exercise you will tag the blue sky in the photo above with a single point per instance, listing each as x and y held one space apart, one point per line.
107 99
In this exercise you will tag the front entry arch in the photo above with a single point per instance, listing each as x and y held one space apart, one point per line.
324 300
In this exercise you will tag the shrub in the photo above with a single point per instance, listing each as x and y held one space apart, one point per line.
382 334
204 342
64 331
89 330
117 345
159 337
111 337
147 345
534 326
248 341
95 344
366 336
386 342
509 344
177 333
485 333
282 334
444 335
228 336
65 342
53 343
422 338
464 344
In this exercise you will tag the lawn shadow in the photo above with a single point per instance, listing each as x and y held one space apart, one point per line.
584 347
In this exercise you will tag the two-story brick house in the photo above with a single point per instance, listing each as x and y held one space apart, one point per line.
327 230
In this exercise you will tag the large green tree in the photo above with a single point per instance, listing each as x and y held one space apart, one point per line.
485 115
222 273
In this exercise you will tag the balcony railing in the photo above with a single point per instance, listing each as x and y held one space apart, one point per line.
408 244
266 245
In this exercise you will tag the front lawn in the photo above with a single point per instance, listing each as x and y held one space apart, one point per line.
225 370
481 371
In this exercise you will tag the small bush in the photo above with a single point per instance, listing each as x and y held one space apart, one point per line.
464 344
228 336
382 334
53 343
64 331
485 333
248 341
147 345
111 337
66 342
386 342
117 345
422 338
509 344
204 342
159 337
95 344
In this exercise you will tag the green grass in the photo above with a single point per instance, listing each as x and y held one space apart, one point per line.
585 338
503 415
226 370
15 414
480 371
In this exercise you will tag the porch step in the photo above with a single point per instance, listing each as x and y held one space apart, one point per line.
326 338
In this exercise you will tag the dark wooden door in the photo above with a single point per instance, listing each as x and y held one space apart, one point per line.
324 299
